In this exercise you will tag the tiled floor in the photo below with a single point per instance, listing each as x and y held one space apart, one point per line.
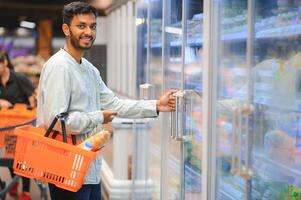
34 190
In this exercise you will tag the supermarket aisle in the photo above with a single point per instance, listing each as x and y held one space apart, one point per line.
34 190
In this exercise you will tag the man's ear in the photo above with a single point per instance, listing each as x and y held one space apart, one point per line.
66 30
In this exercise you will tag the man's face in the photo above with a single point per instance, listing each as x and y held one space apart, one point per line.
83 31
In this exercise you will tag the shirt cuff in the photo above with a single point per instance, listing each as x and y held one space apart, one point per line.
150 109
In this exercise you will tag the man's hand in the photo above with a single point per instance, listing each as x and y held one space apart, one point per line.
108 116
4 103
166 103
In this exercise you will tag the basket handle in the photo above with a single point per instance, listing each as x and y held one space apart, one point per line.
62 117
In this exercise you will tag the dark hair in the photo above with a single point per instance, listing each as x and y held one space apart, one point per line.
4 56
75 8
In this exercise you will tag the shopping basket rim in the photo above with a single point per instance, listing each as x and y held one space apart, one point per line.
7 128
19 131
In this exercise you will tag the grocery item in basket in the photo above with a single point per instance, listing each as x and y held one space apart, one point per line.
97 140
88 146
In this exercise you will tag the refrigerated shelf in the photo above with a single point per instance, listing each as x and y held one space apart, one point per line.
241 35
276 171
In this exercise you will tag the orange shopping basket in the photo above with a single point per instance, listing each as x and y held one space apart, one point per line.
8 140
11 118
15 115
49 160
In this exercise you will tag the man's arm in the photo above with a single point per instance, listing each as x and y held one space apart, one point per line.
136 108
54 98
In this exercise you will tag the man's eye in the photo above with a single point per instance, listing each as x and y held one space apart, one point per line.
93 27
81 26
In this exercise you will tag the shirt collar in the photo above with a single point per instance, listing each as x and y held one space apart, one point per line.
73 59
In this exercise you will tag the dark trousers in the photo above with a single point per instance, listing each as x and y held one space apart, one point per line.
86 192
25 181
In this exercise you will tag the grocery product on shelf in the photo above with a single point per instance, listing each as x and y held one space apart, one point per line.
275 84
30 64
294 193
279 146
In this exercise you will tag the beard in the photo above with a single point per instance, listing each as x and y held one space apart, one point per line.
75 42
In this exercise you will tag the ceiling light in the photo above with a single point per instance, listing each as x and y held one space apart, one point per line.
27 24
140 21
2 31
22 32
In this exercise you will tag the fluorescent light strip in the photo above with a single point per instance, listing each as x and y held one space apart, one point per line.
173 30
27 24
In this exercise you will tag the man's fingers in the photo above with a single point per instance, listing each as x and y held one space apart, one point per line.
113 114
172 100
170 92
171 105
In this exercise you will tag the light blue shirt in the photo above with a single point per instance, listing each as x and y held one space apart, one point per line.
67 86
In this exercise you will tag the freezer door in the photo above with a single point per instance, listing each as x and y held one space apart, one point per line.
257 105
182 64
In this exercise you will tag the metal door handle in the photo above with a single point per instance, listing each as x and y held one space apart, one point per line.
246 173
238 114
239 135
233 140
173 122
179 119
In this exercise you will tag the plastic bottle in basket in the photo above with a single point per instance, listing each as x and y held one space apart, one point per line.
97 140
88 146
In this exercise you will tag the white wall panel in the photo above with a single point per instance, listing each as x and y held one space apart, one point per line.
123 34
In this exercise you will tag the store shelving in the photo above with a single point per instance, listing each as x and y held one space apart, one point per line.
235 29
281 172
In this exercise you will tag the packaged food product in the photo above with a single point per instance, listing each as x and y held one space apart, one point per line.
97 140
88 146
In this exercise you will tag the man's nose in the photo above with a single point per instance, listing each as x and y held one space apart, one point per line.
88 31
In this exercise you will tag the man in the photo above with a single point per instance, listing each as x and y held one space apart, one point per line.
69 83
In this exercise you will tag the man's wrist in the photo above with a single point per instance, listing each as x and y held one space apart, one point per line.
157 106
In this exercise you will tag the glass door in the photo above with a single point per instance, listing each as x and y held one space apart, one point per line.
276 89
169 55
182 62
172 165
231 120
193 92
258 106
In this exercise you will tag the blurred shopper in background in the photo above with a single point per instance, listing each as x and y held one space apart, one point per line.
70 83
15 88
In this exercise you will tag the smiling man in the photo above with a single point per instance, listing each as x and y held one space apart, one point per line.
70 83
